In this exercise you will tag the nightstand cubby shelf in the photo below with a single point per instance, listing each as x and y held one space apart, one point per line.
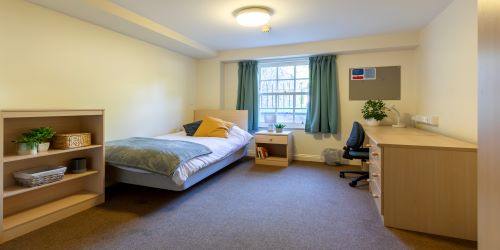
25 209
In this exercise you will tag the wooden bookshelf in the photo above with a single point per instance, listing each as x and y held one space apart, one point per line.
25 209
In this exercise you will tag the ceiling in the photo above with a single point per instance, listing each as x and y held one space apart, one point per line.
200 28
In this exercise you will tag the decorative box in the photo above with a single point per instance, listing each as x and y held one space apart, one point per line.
73 140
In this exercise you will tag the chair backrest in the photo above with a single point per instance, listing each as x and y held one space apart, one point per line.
357 136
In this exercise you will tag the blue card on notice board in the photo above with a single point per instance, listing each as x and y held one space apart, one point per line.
358 72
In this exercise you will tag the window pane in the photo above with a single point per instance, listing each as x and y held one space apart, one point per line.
268 73
285 102
286 72
302 86
284 86
300 118
267 86
282 97
301 101
302 71
284 117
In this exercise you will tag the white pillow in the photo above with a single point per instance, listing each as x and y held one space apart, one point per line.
238 132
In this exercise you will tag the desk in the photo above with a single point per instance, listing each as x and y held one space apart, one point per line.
422 181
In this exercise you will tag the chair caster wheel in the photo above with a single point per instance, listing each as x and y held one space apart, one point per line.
353 183
342 175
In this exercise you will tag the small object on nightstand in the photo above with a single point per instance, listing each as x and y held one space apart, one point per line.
272 148
270 127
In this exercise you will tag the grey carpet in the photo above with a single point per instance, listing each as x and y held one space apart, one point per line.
304 206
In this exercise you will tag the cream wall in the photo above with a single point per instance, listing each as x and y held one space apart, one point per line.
210 71
447 61
309 146
50 60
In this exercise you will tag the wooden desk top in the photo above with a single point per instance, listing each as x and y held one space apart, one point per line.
413 137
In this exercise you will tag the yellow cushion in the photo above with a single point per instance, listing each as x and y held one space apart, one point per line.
213 127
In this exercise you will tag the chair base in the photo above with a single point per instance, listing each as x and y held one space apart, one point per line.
364 176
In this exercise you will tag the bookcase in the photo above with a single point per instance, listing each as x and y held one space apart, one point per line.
25 209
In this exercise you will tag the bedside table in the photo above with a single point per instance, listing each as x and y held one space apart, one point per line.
278 145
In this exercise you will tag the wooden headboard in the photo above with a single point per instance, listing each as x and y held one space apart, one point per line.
238 117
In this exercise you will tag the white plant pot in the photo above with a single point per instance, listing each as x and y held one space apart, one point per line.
43 147
372 122
279 130
24 149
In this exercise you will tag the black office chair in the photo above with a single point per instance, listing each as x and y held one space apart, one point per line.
354 150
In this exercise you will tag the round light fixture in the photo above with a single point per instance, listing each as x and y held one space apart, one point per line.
253 16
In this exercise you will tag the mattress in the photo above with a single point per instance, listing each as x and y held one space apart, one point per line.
220 147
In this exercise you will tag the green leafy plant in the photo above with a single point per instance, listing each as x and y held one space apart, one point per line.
374 109
43 134
28 139
279 125
36 136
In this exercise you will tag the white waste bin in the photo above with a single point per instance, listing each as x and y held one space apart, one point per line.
332 156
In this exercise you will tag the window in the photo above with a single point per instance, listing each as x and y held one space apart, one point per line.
283 93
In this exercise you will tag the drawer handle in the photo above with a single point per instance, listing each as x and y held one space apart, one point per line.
374 153
270 139
368 145
375 196
375 174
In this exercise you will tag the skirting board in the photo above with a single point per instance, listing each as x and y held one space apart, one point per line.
308 157
298 157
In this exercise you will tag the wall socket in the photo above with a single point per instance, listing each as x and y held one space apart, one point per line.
426 119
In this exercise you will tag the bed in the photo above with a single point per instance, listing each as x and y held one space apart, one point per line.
224 152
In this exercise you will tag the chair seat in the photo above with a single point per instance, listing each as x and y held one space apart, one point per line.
359 154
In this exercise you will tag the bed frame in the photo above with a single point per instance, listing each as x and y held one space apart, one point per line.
239 117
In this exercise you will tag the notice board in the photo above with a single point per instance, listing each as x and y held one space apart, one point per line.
382 83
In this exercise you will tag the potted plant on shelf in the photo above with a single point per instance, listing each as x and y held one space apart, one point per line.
43 136
373 112
27 144
279 127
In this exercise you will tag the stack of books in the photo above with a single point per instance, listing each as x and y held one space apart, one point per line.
262 153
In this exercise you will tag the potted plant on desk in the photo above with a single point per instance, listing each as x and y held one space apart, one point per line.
373 112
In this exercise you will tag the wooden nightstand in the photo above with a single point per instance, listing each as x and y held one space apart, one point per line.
278 145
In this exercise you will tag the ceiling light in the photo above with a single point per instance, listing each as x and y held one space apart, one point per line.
253 16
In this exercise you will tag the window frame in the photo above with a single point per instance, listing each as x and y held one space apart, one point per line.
280 63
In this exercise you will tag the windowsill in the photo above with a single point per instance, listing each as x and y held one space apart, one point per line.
285 129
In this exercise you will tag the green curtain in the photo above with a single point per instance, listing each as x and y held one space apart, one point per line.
248 96
322 114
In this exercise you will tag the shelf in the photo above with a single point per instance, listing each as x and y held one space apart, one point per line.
46 209
10 191
11 158
274 158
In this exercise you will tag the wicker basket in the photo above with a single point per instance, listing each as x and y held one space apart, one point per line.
75 140
39 176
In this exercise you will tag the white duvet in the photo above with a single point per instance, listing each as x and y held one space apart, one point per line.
220 147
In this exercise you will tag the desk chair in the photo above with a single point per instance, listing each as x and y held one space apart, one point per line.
354 150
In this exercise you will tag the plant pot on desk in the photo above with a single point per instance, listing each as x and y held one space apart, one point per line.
372 122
